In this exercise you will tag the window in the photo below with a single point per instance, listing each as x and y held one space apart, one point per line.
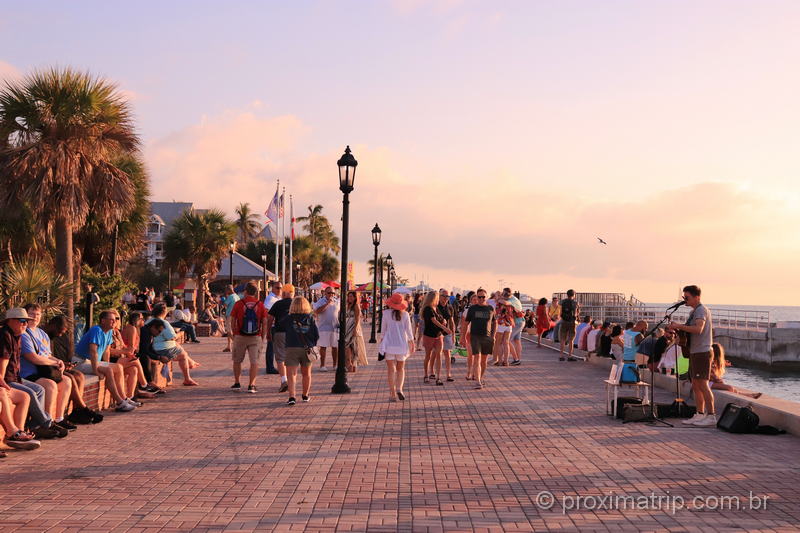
159 247
154 228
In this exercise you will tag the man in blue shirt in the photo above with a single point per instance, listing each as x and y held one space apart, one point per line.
89 359
229 300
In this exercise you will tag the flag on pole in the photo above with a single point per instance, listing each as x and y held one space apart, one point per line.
272 209
281 206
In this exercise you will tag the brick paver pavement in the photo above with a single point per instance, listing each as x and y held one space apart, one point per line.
447 459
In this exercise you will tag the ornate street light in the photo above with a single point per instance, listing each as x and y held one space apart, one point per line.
264 265
376 241
347 175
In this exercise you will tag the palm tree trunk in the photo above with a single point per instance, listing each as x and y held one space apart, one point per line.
63 236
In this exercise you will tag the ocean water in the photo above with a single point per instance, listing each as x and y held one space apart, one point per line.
777 313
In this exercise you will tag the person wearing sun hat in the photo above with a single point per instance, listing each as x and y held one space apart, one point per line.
397 343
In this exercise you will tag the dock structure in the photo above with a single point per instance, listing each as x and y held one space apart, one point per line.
532 451
746 334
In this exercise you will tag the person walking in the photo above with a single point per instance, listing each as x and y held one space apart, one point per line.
542 320
569 314
229 300
482 328
397 344
445 309
471 299
505 323
432 337
356 352
249 327
301 336
276 335
275 293
326 311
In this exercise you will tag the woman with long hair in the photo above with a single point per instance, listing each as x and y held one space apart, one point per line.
417 324
617 342
397 343
432 336
542 319
301 337
505 323
355 351
718 364
471 300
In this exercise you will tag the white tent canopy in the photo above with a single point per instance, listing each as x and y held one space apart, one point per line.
243 269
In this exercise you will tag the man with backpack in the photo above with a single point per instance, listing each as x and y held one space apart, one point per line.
249 328
569 314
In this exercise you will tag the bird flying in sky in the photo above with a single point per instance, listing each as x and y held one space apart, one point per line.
601 241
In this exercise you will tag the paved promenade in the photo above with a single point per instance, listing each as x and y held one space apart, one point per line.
447 459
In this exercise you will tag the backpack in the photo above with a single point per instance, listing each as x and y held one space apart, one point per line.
630 373
568 308
250 323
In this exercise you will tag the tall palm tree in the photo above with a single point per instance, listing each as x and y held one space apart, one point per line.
371 264
197 242
247 222
320 230
61 130
311 221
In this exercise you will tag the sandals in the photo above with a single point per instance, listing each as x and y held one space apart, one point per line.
439 382
425 379
450 378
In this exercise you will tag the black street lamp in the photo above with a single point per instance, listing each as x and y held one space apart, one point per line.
379 302
389 266
376 240
230 264
347 175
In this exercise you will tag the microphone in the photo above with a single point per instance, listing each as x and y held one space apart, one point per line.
676 305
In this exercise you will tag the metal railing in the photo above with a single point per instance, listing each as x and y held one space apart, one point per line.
722 318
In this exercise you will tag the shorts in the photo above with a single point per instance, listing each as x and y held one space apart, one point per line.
85 365
567 331
397 357
169 353
481 344
246 343
700 366
432 343
516 332
228 325
297 357
447 343
503 329
328 339
417 320
279 346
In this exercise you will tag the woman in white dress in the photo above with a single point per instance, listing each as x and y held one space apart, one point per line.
397 343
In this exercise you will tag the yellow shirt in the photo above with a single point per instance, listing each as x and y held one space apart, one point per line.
554 311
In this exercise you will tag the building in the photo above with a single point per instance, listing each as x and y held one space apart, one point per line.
162 215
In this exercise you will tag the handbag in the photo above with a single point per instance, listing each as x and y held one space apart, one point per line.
311 351
45 371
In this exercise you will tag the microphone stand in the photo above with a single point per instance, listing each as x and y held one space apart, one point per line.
651 418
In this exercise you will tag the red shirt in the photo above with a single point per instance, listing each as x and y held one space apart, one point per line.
237 315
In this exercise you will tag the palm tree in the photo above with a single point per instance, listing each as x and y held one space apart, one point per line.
248 224
60 131
197 242
320 230
371 263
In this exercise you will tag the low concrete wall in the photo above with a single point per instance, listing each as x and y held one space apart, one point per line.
771 411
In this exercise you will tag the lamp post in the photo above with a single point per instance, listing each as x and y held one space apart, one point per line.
264 264
376 240
347 174
230 263
388 272
297 278
379 302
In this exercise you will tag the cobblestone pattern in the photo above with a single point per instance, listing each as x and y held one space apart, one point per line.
447 459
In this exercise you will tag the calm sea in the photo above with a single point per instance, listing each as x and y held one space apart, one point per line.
783 383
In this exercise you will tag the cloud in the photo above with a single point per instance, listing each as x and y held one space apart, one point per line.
9 72
472 226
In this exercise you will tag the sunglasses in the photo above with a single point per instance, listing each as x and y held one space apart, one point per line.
22 320
481 297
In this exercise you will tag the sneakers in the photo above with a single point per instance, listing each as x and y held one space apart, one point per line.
22 441
562 358
236 387
124 407
153 389
695 418
323 369
134 402
50 432
66 424
516 362
81 415
284 387
708 421
252 389
291 401
306 398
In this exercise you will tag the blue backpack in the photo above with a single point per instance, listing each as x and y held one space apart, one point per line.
630 373
250 323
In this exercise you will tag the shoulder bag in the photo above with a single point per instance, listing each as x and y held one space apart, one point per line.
311 351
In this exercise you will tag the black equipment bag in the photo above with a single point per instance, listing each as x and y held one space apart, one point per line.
676 409
738 419
636 412
622 401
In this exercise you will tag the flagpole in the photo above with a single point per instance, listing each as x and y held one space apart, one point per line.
291 238
277 189
283 238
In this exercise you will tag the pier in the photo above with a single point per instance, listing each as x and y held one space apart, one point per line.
448 458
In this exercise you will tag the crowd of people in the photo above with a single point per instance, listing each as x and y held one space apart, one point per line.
42 384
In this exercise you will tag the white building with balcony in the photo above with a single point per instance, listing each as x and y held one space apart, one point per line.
162 215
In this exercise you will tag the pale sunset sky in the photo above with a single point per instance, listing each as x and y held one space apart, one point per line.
495 140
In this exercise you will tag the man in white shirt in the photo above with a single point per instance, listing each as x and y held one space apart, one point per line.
326 311
273 296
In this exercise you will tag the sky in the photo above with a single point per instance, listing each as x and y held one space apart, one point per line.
495 140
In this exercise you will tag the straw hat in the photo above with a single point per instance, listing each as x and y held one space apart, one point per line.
16 312
397 302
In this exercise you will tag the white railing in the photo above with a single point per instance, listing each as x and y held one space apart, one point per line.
722 318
